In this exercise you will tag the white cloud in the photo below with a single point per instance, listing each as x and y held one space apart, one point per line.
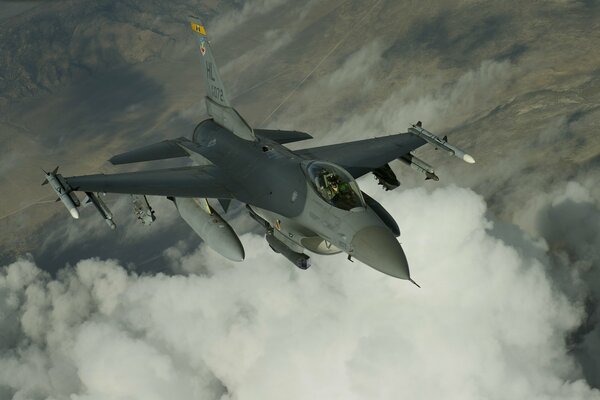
487 324
438 103
528 216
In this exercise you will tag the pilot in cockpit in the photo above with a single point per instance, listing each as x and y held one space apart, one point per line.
330 185
335 190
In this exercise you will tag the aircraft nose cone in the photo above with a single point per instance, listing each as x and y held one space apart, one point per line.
378 248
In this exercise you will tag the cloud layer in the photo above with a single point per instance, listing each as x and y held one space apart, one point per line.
500 315
487 324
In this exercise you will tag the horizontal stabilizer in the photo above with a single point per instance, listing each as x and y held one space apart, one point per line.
282 137
157 151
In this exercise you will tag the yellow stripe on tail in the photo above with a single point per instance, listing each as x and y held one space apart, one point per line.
198 28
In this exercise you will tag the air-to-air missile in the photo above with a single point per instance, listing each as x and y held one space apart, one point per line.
208 224
64 192
92 198
419 165
441 143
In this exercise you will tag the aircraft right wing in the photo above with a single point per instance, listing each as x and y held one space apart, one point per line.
373 155
363 156
197 181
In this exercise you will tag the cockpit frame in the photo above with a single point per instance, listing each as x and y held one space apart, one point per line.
334 185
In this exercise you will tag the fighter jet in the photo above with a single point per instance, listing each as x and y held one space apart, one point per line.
306 200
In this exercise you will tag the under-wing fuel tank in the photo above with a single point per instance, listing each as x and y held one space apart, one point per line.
211 227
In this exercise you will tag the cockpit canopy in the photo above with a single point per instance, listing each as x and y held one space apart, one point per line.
335 185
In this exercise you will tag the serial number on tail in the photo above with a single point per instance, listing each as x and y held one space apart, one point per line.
216 93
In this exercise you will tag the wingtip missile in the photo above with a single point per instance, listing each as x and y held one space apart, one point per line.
63 191
469 159
441 143
74 213
462 155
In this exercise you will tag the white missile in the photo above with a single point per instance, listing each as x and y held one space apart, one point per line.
104 211
419 165
216 233
438 142
63 193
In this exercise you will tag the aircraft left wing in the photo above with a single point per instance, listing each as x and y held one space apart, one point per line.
363 156
197 181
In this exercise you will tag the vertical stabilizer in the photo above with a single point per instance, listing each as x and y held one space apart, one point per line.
214 85
217 102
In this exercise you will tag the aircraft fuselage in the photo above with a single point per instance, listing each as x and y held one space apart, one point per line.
273 181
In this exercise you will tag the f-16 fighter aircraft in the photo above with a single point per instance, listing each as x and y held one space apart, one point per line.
305 200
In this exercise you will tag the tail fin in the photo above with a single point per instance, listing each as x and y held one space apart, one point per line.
217 102
214 84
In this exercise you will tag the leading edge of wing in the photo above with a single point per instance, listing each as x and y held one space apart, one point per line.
156 151
363 156
197 181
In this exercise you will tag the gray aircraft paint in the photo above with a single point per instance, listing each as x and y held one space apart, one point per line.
211 227
280 187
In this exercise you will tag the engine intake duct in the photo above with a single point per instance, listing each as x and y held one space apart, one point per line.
386 177
300 260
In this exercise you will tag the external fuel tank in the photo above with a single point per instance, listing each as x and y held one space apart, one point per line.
211 227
